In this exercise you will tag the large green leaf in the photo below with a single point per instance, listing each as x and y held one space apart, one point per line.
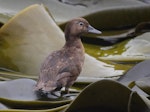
106 96
108 13
20 34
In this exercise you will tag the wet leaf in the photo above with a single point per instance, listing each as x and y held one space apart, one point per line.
124 16
97 97
4 18
7 74
108 13
139 71
145 1
20 104
146 100
21 89
111 39
136 103
144 84
32 39
19 94
3 106
57 109
132 50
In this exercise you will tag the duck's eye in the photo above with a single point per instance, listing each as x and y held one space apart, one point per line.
81 23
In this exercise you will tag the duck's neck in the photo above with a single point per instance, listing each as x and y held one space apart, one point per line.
74 42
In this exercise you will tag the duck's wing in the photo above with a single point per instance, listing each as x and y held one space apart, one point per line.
48 72
51 66
59 69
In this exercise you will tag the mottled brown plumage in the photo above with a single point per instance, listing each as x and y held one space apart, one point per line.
61 68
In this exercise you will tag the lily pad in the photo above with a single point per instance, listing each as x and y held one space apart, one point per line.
97 97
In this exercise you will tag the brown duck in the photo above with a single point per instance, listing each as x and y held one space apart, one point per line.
61 68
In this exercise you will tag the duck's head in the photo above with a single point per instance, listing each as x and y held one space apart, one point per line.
78 27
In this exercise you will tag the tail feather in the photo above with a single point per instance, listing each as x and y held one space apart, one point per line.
47 90
46 87
39 86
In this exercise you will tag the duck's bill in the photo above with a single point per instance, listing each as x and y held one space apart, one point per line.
93 30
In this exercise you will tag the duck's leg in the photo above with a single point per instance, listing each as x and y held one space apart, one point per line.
66 79
66 90
70 81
